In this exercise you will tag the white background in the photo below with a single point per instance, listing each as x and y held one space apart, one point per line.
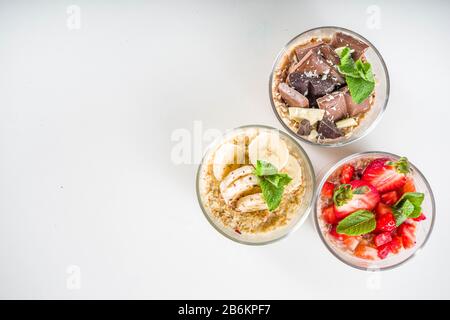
86 118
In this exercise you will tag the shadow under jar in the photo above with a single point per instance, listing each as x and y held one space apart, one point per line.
362 252
311 97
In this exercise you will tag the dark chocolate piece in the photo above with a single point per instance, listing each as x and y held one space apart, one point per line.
304 128
319 87
327 129
299 82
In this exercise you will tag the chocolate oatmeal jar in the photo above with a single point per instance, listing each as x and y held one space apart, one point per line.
329 86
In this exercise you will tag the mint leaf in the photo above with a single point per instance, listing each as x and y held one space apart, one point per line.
279 179
342 194
416 199
271 194
347 65
399 217
358 223
359 88
402 165
264 168
358 75
271 182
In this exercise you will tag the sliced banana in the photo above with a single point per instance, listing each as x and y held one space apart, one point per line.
294 170
269 147
239 188
250 203
234 175
227 155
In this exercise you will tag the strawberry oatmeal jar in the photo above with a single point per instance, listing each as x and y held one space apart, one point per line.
374 210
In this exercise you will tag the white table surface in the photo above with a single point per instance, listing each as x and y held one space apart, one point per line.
91 203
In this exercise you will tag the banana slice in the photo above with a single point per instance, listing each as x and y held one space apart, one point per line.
250 203
294 170
239 188
227 155
234 175
269 147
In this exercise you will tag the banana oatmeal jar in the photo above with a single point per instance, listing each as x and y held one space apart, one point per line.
255 185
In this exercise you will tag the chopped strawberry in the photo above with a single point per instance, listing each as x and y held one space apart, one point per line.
338 236
328 189
408 187
383 251
382 209
382 239
385 223
408 233
328 215
347 173
386 175
357 195
351 242
389 198
366 252
396 244
420 218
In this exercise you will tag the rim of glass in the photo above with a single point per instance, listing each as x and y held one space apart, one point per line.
347 159
295 227
350 140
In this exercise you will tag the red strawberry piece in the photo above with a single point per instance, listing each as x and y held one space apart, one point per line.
420 218
385 223
328 215
347 173
384 250
386 175
366 252
328 189
358 195
396 244
408 187
336 235
382 209
389 198
382 239
408 233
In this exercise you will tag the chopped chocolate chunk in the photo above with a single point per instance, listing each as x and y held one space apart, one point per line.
344 40
334 106
353 108
302 50
330 56
304 128
292 97
299 82
327 129
318 87
311 64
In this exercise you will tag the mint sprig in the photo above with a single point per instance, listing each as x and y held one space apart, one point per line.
358 75
402 165
358 223
409 206
272 183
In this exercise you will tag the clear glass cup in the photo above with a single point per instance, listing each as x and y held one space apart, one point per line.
424 227
281 232
382 86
